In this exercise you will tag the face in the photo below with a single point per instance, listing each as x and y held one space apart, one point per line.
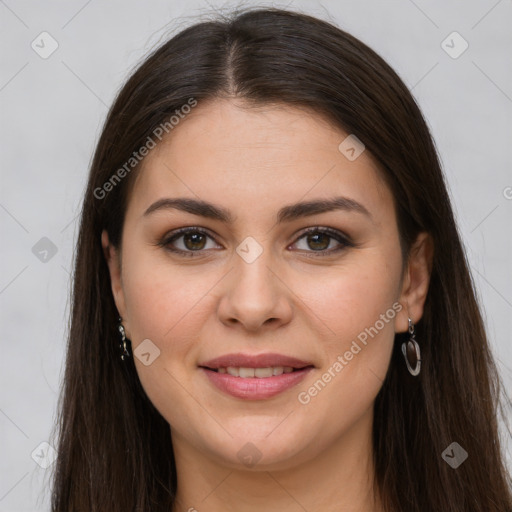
320 285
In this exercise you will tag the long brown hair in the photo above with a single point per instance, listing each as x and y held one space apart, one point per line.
114 448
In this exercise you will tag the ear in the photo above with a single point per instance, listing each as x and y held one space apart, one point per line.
416 281
114 264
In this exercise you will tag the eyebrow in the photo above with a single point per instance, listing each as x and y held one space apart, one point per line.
286 214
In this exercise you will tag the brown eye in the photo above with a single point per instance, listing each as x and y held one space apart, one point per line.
324 241
187 241
194 241
318 241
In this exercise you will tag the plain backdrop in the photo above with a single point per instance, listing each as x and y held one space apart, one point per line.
52 110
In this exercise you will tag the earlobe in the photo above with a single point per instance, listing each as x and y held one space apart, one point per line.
112 259
416 281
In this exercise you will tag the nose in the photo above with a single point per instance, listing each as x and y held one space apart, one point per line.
255 296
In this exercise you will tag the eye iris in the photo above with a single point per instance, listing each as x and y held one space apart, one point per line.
196 238
318 245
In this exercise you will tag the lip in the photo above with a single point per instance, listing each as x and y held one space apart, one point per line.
255 361
255 388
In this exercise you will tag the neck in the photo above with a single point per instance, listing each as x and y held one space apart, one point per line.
338 478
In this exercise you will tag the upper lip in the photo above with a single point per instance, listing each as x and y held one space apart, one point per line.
255 361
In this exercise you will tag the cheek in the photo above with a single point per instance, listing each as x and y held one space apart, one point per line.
353 296
356 306
167 306
165 303
159 295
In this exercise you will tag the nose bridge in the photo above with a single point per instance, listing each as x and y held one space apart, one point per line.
253 262
254 295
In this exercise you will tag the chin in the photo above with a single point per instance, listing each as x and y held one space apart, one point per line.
261 449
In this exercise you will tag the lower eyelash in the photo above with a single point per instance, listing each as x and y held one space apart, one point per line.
177 234
343 241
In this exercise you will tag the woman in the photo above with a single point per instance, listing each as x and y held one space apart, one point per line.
272 309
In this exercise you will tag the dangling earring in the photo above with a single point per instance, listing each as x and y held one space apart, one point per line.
411 352
124 350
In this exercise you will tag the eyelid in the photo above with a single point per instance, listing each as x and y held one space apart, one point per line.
178 233
343 239
334 233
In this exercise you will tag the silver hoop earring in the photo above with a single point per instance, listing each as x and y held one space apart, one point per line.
411 352
124 350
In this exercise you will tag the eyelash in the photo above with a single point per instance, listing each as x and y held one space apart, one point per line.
332 233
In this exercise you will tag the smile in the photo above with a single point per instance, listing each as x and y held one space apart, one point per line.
233 381
258 373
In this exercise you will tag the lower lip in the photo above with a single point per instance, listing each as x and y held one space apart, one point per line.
255 388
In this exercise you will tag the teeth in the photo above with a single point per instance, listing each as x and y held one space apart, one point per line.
262 372
233 371
248 373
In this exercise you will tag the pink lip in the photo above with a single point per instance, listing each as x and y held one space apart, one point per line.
255 388
255 361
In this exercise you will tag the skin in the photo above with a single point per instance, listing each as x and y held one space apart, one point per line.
253 161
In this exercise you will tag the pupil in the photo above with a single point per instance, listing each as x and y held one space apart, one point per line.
196 239
315 236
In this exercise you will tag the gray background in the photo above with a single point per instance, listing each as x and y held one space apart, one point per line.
52 111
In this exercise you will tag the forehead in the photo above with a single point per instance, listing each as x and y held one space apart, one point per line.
258 157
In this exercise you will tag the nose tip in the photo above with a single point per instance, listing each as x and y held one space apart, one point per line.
253 295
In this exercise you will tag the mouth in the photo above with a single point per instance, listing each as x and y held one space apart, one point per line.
255 377
261 362
257 373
